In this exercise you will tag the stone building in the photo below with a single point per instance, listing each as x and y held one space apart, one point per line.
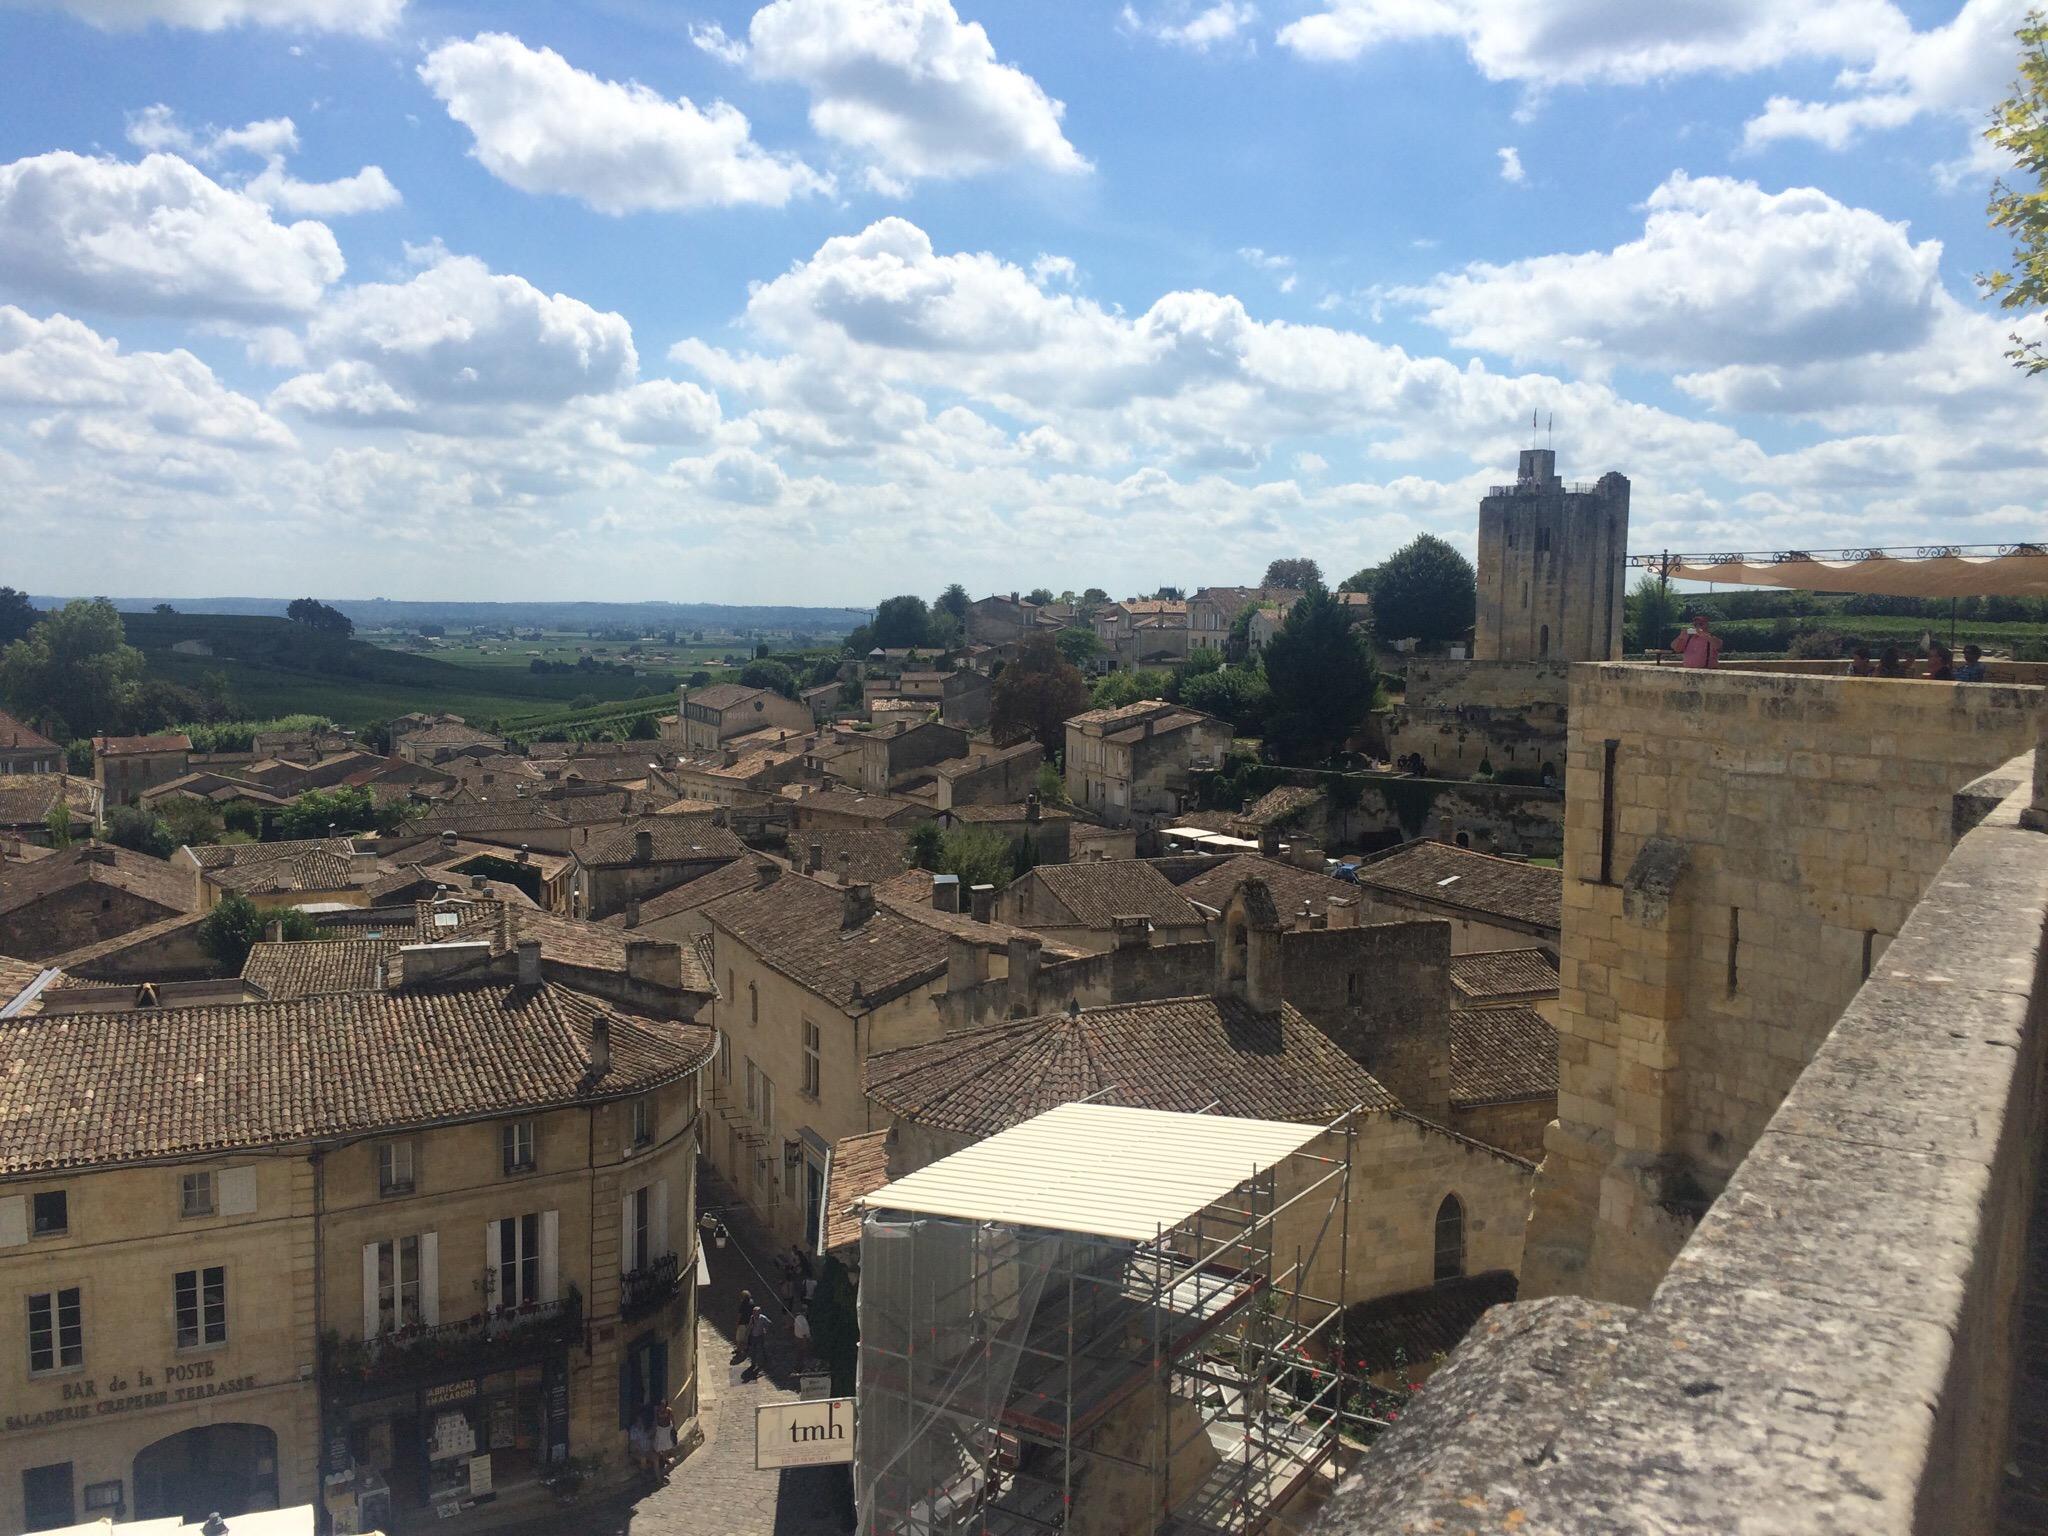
300 872
1506 978
1100 904
25 750
1552 566
29 803
989 775
441 738
881 760
87 893
1133 764
1490 902
127 765
707 717
646 857
382 1256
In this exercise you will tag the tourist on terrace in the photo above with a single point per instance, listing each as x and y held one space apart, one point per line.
1972 669
1860 664
1889 664
1698 646
1941 663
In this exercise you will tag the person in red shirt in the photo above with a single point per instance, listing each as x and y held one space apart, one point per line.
1698 647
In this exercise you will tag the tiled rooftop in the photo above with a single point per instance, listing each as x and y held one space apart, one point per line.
1500 1055
98 863
1101 890
124 746
1412 1328
796 926
1504 973
309 967
16 737
1291 886
26 799
1477 882
673 840
860 1166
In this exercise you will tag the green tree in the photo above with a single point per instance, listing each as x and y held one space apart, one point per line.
1036 695
58 825
78 757
130 826
1237 694
927 839
1294 574
1651 611
316 615
350 808
75 666
1424 591
1320 673
1237 640
17 615
1360 580
1121 688
644 729
1039 595
233 927
1077 643
978 855
163 608
901 622
769 674
242 817
1051 788
2019 127
953 601
189 820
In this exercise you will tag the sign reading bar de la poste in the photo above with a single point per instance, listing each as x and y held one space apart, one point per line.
803 1434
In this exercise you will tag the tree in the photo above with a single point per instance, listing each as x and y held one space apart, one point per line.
1036 695
1077 643
644 729
232 928
2019 127
1425 591
1652 613
75 666
953 601
1121 688
130 826
1039 595
927 840
1050 787
1237 641
1294 574
1237 694
189 820
78 757
163 608
978 855
900 623
17 615
242 817
351 808
58 824
1360 580
316 615
1319 670
769 674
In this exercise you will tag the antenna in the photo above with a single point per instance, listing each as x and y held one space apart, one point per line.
1532 426
1550 430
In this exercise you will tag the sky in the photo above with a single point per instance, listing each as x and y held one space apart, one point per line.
824 300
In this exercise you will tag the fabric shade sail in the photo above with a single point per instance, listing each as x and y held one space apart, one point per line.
2019 573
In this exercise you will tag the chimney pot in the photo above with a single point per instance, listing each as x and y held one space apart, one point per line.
601 1044
1132 932
859 905
981 901
815 859
273 931
766 873
525 853
528 951
945 893
633 912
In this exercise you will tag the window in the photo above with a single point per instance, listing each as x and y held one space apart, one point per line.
813 1066
56 1331
202 1306
195 1194
638 1250
52 1213
767 1104
753 1003
640 1121
394 1168
1354 990
1450 1239
753 1087
517 1142
1609 751
398 1284
1734 945
518 1268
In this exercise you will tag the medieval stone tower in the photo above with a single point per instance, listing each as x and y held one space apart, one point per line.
1551 574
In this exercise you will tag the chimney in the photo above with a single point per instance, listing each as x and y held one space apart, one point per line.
418 963
1023 958
448 838
528 951
1269 842
766 873
966 964
730 756
1032 810
478 883
643 847
655 963
632 911
525 853
1131 932
981 901
845 870
815 860
859 905
601 1040
273 932
1343 911
945 893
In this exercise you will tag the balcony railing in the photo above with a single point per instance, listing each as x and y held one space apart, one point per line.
495 1340
648 1288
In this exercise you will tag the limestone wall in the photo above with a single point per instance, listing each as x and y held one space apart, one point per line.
1770 833
1832 1351
1458 714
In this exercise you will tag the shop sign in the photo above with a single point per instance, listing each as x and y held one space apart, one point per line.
803 1434
449 1392
92 1397
555 1398
480 1476
812 1386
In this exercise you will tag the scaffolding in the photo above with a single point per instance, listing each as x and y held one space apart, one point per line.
1019 1377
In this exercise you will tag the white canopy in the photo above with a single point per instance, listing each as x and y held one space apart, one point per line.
2021 574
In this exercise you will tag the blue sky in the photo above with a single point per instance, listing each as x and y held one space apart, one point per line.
824 299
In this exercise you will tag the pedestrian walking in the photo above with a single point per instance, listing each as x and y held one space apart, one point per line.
664 1440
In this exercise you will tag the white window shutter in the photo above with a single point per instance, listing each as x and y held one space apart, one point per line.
430 1278
657 1222
550 1255
13 1220
237 1188
628 1259
496 1281
369 1290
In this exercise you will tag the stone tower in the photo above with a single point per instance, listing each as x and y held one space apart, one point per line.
1551 566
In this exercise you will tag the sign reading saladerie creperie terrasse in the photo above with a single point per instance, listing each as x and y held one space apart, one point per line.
89 1397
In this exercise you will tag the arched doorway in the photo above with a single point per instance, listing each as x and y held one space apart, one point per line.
1450 1239
227 1467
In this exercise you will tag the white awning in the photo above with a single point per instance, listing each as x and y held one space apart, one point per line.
2022 574
1102 1169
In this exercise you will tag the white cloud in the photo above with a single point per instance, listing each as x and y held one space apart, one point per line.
271 141
1280 267
369 18
1566 42
1511 165
1956 70
458 335
1724 273
366 191
157 236
712 38
351 391
1197 30
542 125
910 86
1049 269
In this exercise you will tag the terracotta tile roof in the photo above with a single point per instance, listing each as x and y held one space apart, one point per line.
980 757
564 941
213 856
917 906
16 737
796 926
26 799
1165 725
123 746
1500 1055
685 807
871 853
94 1089
316 869
846 802
1013 812
1412 1328
1183 1053
500 815
724 881
22 885
1290 886
1105 717
860 1166
1102 890
308 968
451 733
722 696
1278 806
673 839
1477 882
1504 973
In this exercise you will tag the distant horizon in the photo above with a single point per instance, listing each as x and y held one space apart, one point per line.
46 599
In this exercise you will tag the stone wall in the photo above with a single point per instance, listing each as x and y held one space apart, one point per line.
991 777
1383 993
1517 1126
1551 575
1769 835
1459 714
1832 1351
79 915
